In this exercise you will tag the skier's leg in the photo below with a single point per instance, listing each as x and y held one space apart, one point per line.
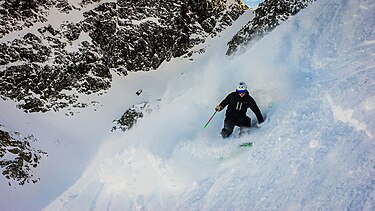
228 128
244 123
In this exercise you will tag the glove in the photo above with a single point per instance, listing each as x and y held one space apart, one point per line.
259 123
218 108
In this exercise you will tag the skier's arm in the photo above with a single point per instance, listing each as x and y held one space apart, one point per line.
254 107
223 103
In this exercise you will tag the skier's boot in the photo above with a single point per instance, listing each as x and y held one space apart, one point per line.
225 133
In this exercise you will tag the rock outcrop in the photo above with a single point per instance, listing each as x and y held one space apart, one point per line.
268 15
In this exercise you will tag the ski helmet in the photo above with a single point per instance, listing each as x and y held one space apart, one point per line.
241 88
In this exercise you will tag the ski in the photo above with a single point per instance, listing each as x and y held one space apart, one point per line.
246 144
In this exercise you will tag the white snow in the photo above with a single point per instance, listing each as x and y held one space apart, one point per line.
315 151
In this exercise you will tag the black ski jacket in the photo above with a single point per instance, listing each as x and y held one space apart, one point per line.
237 106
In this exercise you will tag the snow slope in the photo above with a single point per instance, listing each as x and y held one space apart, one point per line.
315 151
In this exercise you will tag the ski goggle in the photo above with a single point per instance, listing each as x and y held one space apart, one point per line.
240 91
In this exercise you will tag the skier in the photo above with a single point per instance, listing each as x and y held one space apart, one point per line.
238 102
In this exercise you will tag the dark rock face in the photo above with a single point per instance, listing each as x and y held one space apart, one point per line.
17 157
46 68
268 15
17 14
129 118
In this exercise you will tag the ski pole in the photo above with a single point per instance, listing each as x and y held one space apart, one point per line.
209 120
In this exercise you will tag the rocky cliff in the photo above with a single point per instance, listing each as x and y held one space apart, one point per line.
45 61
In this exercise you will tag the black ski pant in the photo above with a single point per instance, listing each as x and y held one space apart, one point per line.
230 123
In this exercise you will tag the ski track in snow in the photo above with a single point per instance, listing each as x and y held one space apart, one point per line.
316 150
